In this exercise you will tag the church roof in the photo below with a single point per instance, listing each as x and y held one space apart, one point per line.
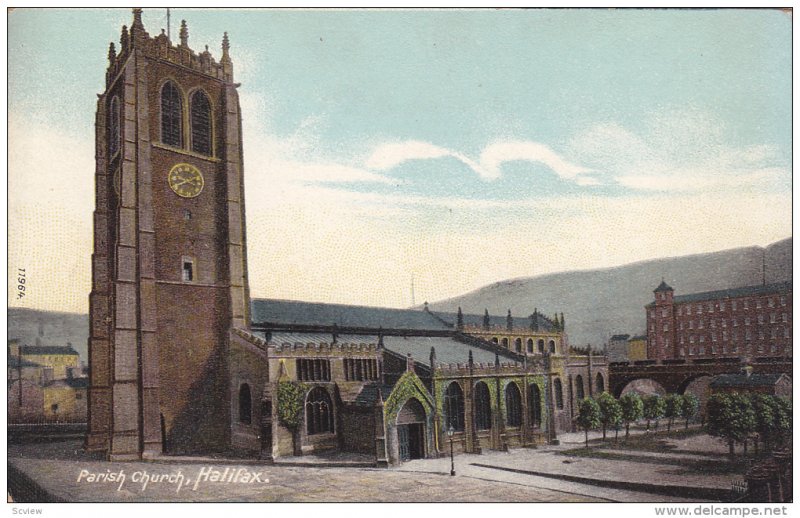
275 312
447 350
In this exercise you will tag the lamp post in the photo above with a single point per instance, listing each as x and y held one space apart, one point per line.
450 433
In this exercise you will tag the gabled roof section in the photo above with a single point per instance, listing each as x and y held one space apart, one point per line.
519 322
448 351
663 287
276 313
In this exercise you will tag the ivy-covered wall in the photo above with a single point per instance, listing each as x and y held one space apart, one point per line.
409 385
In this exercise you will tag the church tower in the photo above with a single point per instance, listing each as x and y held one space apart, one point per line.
169 271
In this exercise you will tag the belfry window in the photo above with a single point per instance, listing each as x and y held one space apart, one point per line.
552 347
540 345
319 412
171 114
188 270
245 404
513 405
454 407
113 127
518 345
483 408
530 345
201 123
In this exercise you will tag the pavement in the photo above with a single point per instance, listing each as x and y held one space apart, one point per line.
61 471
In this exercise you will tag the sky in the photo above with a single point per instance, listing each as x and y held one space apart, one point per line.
454 148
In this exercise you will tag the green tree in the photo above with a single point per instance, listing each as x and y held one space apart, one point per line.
782 410
653 408
672 409
291 396
765 418
745 419
610 411
730 417
689 407
632 410
588 416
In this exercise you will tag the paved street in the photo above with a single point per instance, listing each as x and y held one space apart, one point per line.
66 473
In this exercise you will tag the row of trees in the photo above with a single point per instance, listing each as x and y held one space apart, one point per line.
608 413
736 418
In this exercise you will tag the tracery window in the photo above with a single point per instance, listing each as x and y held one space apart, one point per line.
535 405
483 408
513 405
579 387
559 393
319 412
454 407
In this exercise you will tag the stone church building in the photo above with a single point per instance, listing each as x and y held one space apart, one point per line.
182 361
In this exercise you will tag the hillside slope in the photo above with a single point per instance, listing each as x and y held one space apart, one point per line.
599 303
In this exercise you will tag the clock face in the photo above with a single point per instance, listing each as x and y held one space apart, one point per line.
185 180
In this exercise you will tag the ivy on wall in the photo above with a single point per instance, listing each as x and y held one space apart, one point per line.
409 385
291 396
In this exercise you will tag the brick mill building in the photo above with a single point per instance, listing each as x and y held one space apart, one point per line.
749 322
183 361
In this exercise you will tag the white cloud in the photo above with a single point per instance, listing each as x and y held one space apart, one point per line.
488 167
680 151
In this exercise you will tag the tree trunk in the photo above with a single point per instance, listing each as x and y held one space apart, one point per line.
730 448
669 425
604 433
627 430
296 450
647 429
586 431
616 436
687 424
744 446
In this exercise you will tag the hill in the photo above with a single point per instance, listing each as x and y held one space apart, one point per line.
37 327
600 303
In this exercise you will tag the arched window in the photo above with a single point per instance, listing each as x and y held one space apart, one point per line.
579 387
171 114
483 407
200 111
552 346
494 339
319 412
535 405
559 394
530 345
600 383
245 404
518 345
113 127
454 407
541 346
505 343
513 405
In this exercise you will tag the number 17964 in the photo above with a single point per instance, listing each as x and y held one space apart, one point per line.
20 283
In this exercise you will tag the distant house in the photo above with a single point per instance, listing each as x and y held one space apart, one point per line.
772 384
637 348
618 348
65 400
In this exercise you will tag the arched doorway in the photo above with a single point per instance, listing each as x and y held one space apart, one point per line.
643 387
411 430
